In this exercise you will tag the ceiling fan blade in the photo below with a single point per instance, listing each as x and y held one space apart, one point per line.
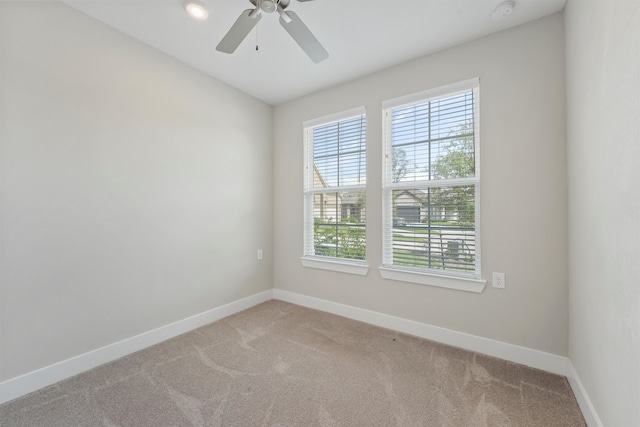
303 36
239 31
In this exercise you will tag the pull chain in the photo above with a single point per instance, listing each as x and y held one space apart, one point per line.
257 48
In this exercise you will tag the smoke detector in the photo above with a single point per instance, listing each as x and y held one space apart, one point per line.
503 10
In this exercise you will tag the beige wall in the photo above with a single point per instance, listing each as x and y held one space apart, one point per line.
123 207
523 192
603 141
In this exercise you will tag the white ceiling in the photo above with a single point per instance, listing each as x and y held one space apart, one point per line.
361 36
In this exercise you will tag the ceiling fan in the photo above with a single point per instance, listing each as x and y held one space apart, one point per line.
289 20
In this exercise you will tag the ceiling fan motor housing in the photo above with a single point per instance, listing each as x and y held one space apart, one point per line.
290 21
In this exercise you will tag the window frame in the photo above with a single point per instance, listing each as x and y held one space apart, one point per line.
309 258
472 282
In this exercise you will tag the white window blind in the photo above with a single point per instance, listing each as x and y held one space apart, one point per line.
431 182
335 185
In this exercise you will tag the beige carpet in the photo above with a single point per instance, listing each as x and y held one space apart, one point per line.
279 364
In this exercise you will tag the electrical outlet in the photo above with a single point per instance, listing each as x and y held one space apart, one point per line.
498 280
259 254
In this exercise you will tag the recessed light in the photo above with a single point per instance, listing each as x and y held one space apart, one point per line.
196 9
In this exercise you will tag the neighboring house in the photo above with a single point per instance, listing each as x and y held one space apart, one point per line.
335 207
351 206
409 205
412 207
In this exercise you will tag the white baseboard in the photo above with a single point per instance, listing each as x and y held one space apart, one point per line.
514 353
32 381
526 356
588 411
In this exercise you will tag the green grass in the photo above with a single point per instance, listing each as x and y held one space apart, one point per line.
408 258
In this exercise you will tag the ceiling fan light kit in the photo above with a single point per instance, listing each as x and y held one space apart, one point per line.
268 6
289 21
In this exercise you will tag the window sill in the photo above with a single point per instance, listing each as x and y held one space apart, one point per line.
358 268
450 282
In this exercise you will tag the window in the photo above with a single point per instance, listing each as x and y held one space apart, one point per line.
334 189
431 182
